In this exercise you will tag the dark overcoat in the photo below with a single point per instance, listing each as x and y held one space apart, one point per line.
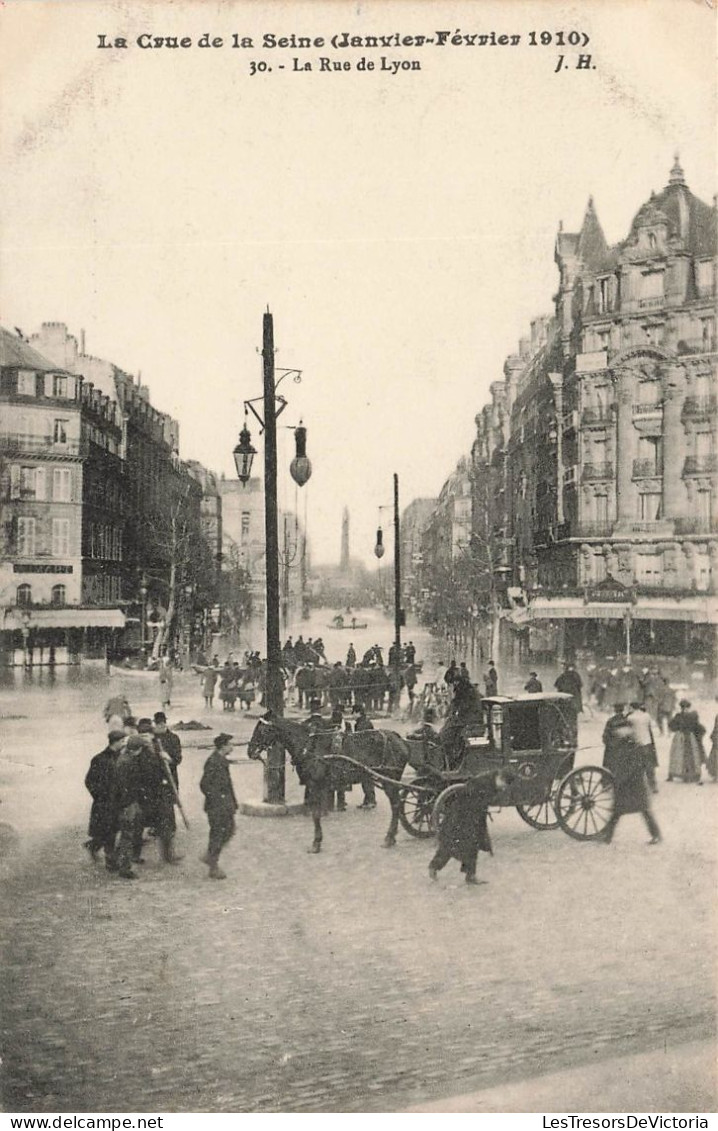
626 761
216 785
464 828
100 783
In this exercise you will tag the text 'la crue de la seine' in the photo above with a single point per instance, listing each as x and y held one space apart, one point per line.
568 43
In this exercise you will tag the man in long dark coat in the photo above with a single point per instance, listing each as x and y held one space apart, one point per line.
158 796
126 801
464 831
103 816
570 683
625 759
220 803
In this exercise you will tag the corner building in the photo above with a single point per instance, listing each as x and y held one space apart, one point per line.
625 547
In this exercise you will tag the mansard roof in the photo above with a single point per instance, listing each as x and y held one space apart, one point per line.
687 218
16 353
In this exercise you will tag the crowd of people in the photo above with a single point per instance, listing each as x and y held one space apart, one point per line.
134 785
134 780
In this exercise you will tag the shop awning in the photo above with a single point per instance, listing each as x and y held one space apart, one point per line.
696 610
71 617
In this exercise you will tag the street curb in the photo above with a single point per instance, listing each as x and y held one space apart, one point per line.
265 809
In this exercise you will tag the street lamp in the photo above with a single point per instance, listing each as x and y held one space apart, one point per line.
244 452
143 595
398 611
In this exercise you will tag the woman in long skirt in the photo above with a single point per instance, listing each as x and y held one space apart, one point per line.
687 746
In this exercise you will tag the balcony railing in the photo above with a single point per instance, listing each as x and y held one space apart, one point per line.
596 529
598 416
696 345
651 303
19 442
647 409
696 465
646 469
696 526
699 406
598 470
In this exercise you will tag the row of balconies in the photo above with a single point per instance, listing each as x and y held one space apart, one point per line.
601 528
695 407
18 443
651 468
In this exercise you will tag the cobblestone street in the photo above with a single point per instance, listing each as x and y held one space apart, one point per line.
341 982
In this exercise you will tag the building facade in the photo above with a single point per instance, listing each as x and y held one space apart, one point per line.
58 450
595 467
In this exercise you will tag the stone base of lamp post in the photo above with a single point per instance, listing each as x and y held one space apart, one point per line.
269 809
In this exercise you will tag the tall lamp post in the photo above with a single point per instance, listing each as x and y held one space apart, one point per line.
301 469
399 619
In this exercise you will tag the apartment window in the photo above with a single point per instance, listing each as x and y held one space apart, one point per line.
26 383
244 529
704 445
652 285
58 595
649 392
23 595
62 485
60 537
60 386
604 295
599 566
652 242
704 275
704 500
649 506
600 503
59 434
649 569
26 537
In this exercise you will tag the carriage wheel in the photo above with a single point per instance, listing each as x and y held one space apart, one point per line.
415 810
541 816
585 802
445 798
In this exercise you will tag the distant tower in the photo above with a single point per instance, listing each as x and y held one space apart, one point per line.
344 559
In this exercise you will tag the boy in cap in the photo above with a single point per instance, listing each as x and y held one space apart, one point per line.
99 782
220 803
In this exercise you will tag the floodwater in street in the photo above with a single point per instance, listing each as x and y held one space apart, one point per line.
340 982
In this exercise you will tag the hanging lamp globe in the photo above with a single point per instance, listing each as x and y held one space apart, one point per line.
300 468
244 454
379 548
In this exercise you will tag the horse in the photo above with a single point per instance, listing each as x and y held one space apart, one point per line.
380 750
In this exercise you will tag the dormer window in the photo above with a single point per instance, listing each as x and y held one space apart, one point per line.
60 386
652 241
26 383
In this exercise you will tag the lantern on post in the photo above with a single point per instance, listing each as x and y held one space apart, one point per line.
300 468
244 454
379 548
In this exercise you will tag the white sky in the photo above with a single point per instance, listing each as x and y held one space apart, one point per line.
400 228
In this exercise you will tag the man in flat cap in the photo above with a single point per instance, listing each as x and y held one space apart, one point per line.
99 783
220 803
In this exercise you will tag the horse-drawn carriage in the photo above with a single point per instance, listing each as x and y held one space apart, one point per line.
535 737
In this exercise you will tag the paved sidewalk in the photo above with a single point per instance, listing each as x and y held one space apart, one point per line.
676 1078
